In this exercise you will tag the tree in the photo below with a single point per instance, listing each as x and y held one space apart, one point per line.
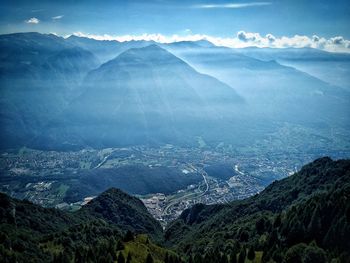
244 236
223 258
129 236
128 258
149 258
242 255
197 258
260 225
120 245
109 258
166 258
315 226
121 258
278 221
294 254
314 254
251 253
233 257
296 233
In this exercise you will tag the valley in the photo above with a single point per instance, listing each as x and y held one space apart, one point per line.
168 179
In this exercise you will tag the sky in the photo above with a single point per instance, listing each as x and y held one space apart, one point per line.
321 24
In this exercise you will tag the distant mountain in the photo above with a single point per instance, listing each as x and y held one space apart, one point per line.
307 54
273 91
146 95
106 50
39 75
188 44
56 94
305 212
333 68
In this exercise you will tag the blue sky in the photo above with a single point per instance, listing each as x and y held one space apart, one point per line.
221 18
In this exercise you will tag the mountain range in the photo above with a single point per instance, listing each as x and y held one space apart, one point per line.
73 93
145 95
302 218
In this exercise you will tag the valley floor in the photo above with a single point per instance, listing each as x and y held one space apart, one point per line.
167 179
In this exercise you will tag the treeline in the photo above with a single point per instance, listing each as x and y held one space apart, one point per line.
303 218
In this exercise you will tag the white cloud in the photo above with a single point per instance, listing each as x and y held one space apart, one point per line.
32 20
241 40
232 6
57 17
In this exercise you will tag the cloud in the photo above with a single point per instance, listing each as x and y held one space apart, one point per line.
32 20
337 40
57 17
241 40
271 38
247 37
232 5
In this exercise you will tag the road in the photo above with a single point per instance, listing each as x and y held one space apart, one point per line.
185 197
102 162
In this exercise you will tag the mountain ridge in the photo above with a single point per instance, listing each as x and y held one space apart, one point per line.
302 216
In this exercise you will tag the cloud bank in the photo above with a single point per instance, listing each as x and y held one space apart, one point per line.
32 20
241 40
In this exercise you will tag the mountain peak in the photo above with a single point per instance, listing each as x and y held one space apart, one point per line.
151 55
148 52
126 211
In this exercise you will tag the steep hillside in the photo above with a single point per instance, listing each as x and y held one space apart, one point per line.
39 75
30 233
309 207
147 95
124 211
333 68
303 218
273 91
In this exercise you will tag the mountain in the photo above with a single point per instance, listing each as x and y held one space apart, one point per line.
30 233
307 54
56 94
124 211
106 50
39 74
274 92
188 44
333 68
146 95
305 212
302 218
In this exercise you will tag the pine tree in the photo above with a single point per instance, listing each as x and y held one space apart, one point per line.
233 257
251 253
197 258
277 221
129 236
166 258
128 259
120 245
149 258
242 255
260 226
223 259
315 227
121 258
